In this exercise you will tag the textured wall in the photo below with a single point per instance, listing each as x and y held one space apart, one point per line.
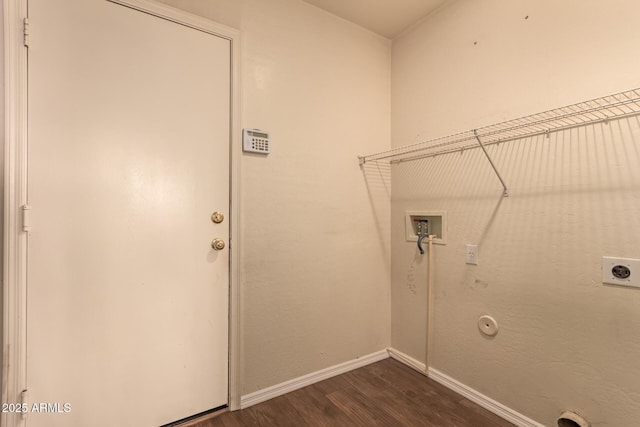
2 113
315 234
566 341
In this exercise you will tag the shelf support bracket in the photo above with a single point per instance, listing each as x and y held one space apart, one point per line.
505 193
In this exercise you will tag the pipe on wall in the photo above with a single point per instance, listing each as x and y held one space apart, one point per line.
429 303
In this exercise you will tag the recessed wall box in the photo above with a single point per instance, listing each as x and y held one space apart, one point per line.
437 225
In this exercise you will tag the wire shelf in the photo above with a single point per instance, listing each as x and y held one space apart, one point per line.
598 110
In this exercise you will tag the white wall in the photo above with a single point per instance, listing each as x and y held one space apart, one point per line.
2 112
315 228
566 341
314 237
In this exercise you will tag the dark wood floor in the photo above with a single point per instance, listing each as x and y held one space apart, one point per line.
386 393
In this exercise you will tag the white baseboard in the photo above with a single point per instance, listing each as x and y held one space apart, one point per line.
314 377
475 396
407 360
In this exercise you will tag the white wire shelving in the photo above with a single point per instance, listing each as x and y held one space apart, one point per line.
598 110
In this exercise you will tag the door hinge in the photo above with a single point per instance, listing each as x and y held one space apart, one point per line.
25 23
26 218
24 403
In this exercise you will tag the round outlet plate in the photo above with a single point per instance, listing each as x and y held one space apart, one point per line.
488 325
621 272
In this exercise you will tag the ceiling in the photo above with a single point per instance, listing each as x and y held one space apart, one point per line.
385 17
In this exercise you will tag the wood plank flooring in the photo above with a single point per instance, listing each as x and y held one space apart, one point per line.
385 393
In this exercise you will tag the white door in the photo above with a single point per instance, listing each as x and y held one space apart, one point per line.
128 157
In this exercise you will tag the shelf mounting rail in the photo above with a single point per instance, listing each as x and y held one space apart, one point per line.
598 110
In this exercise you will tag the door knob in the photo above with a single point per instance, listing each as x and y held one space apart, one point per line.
217 244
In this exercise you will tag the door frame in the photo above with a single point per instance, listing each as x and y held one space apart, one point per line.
14 331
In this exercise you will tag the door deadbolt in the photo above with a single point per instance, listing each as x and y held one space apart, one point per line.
217 244
217 217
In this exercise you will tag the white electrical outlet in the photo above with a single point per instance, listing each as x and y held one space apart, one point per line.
471 254
621 271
